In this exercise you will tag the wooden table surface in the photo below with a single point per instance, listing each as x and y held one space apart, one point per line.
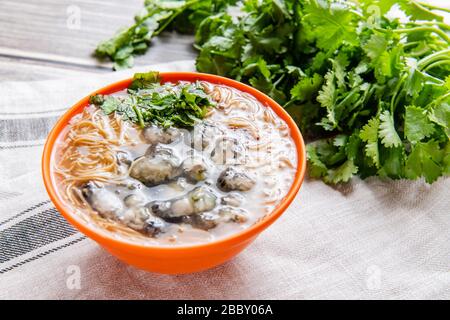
48 39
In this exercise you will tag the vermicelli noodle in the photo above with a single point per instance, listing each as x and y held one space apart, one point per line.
100 153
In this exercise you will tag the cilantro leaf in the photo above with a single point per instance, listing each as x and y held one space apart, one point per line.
369 134
317 168
110 105
342 173
329 24
417 124
96 99
306 88
375 46
144 80
148 101
425 160
156 17
418 11
125 63
327 98
441 116
387 132
392 160
446 160
370 92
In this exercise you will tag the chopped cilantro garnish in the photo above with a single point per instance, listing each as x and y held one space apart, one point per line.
148 101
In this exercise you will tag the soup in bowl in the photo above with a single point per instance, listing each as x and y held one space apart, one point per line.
174 172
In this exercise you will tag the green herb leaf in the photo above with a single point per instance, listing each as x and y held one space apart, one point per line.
306 88
317 168
343 173
369 134
110 105
425 160
387 132
144 80
417 124
97 99
329 25
370 92
180 105
327 98
441 116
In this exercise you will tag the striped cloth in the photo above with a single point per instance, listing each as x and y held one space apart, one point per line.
368 239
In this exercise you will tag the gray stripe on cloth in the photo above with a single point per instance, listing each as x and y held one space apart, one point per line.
42 254
33 232
17 146
26 129
5 195
40 204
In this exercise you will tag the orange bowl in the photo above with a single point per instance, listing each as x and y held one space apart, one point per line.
176 259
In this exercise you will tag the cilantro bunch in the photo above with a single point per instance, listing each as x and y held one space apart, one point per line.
157 16
148 101
371 93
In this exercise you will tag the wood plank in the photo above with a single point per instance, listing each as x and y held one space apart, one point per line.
42 25
16 69
40 32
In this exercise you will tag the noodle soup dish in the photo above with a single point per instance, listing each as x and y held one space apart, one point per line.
175 163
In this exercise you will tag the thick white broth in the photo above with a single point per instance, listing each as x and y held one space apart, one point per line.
257 142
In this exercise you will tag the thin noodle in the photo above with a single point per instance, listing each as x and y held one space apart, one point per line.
89 154
89 148
239 122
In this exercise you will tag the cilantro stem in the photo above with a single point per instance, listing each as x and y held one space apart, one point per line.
383 64
276 83
288 104
348 97
432 7
436 101
410 44
423 7
432 57
441 25
394 96
436 63
439 32
419 53
175 14
356 12
139 116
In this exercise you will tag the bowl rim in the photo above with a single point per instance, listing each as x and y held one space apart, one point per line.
107 239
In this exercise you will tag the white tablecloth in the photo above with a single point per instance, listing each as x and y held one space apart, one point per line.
369 239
